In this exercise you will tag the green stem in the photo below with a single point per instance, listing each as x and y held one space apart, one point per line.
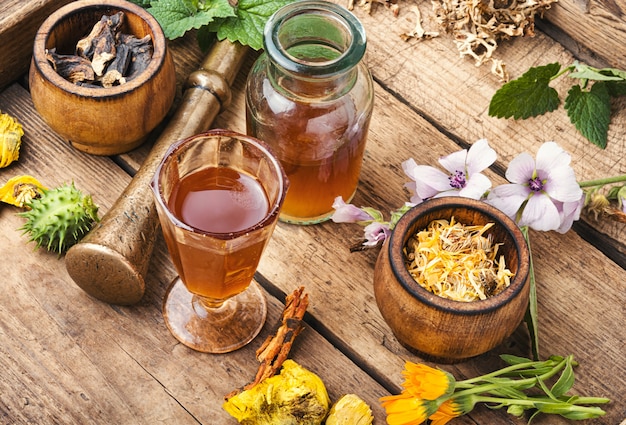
531 316
531 402
477 389
468 383
563 71
604 181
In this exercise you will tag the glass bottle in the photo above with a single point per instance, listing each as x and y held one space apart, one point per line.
310 97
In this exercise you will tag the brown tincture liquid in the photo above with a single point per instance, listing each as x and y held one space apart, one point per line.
218 200
320 147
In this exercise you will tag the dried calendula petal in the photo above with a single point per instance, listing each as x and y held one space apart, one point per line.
11 133
350 409
457 261
20 190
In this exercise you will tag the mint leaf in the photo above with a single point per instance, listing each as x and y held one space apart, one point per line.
177 17
528 96
616 88
142 3
247 26
590 112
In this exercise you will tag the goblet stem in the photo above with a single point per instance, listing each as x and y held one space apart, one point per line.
204 326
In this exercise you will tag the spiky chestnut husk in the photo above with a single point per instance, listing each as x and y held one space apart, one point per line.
60 218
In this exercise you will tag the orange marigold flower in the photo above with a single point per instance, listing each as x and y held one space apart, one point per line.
404 409
425 382
448 410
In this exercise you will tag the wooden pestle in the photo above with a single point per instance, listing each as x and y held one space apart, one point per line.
111 261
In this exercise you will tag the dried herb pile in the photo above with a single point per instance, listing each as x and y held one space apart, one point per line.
477 25
457 261
106 57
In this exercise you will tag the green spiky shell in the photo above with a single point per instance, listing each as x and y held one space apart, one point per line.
59 218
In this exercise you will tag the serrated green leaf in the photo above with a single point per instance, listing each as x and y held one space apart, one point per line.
565 381
247 27
528 96
176 17
590 112
142 3
616 88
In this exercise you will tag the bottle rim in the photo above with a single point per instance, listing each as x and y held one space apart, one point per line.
349 57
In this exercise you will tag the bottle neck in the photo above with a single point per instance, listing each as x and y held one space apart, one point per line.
303 85
314 48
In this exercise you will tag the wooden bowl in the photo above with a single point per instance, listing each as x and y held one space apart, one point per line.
437 328
98 120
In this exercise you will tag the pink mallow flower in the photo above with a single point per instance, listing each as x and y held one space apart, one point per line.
375 233
348 213
463 177
543 193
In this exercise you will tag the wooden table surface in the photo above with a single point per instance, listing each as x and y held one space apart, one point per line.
68 358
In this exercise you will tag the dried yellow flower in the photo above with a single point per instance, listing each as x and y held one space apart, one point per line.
20 190
350 409
11 133
457 261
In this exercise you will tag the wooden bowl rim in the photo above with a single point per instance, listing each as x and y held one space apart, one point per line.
46 70
399 238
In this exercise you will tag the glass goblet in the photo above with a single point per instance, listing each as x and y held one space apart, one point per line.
218 196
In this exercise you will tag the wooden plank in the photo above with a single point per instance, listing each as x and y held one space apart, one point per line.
19 22
68 358
598 26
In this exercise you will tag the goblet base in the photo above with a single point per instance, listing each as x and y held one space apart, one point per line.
214 330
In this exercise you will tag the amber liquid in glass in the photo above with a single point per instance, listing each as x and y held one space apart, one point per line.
218 200
320 147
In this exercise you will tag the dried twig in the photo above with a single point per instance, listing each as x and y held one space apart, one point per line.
275 349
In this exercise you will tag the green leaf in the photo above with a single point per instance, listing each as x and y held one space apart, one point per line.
613 71
509 392
590 112
142 3
247 27
565 381
616 88
178 16
585 72
528 96
514 360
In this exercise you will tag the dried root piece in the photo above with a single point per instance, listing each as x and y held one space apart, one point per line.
275 349
71 67
141 49
106 57
118 67
107 24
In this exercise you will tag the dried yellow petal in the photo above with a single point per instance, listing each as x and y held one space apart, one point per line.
350 409
11 133
20 190
457 261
